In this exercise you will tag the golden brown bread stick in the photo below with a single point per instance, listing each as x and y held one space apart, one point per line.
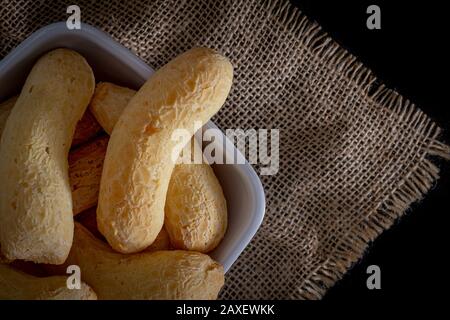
196 213
139 159
36 218
108 102
85 169
144 276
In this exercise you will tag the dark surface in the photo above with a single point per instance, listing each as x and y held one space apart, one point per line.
410 53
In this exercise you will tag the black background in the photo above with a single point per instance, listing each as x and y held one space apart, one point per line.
410 54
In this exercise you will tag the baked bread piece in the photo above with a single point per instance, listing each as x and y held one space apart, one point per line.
140 156
36 219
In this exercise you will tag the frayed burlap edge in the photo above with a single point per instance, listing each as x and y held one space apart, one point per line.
410 189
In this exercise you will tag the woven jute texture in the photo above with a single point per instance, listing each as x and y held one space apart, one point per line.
353 154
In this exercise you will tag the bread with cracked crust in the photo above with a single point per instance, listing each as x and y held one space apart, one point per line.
139 159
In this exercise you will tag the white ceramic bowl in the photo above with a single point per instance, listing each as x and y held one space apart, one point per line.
113 62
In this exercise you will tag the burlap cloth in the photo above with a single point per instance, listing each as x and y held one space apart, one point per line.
353 154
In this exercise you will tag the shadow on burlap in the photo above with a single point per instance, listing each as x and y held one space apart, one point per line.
353 154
